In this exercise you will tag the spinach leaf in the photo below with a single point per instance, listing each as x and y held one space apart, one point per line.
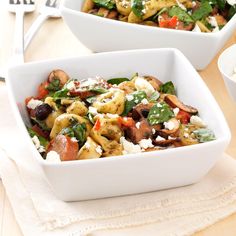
63 93
109 4
181 14
136 98
137 8
168 87
117 80
221 4
203 11
43 141
204 135
76 130
54 85
159 113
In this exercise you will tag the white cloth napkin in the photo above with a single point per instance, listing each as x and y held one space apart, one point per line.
174 212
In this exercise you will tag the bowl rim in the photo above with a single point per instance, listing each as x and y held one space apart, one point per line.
221 59
63 8
21 124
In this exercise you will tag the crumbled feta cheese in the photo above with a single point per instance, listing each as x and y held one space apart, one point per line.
129 147
137 125
143 85
176 111
194 3
93 110
33 103
129 97
196 120
159 138
112 116
144 101
73 139
159 105
212 21
87 145
186 135
37 144
53 156
231 2
169 125
99 149
71 85
89 82
146 143
153 131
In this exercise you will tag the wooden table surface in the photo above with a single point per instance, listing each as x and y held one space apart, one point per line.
55 40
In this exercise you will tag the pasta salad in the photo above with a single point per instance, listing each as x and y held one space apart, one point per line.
190 15
99 117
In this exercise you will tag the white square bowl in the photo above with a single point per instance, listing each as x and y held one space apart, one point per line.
100 34
226 65
133 173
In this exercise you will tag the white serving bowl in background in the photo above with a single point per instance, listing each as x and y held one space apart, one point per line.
100 34
134 173
226 65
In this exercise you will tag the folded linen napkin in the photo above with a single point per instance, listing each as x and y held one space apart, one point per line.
180 211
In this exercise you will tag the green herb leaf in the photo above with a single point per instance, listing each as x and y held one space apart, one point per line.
137 8
204 135
117 80
159 113
203 11
109 4
232 12
54 85
77 130
181 14
154 96
137 97
91 100
168 87
43 142
63 93
90 117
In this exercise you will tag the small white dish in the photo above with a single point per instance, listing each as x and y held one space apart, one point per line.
100 34
226 65
133 173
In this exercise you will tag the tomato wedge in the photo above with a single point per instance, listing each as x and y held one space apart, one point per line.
183 116
65 147
126 121
42 91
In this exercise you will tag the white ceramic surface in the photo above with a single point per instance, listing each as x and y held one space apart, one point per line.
135 173
100 34
226 65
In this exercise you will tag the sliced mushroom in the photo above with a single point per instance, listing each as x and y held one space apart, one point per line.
82 94
173 101
87 5
143 131
141 111
156 83
112 15
166 142
59 74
